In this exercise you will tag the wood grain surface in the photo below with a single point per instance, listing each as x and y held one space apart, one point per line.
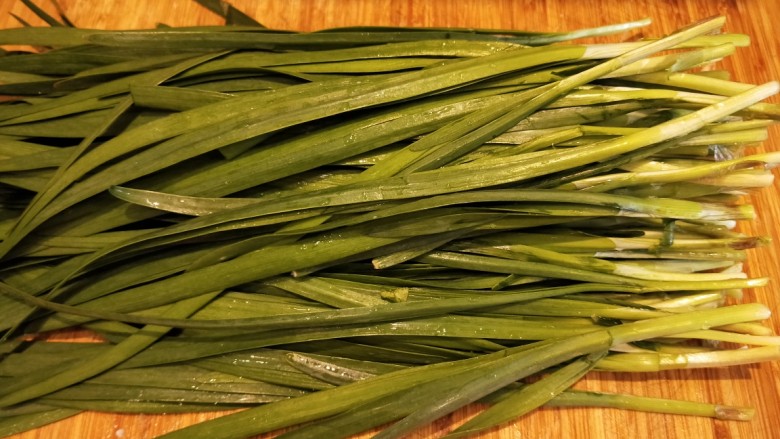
756 386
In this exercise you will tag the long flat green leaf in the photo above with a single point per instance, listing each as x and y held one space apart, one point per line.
529 397
18 424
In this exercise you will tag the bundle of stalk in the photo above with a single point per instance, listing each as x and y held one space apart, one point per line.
370 226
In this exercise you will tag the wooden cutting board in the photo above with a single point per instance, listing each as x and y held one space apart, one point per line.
756 386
